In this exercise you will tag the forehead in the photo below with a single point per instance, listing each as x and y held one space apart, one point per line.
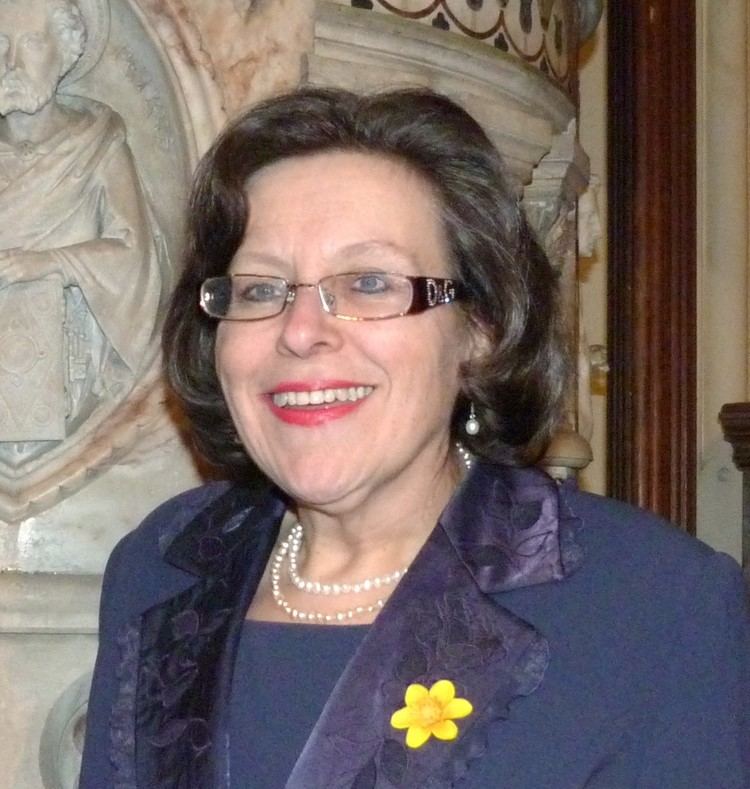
349 168
344 196
24 16
322 212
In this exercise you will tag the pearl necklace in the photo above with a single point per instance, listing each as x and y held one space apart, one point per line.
466 457
314 616
296 537
290 547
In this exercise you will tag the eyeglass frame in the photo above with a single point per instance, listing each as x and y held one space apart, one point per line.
427 292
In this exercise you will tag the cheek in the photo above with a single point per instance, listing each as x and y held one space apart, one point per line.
232 360
429 366
222 355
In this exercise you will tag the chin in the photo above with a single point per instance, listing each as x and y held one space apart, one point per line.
316 490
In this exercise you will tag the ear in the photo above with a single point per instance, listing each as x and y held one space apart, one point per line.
476 343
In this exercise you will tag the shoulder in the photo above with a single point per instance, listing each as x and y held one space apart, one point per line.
639 577
94 120
638 565
620 536
94 111
165 522
140 552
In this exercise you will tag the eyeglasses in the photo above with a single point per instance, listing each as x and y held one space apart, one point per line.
359 296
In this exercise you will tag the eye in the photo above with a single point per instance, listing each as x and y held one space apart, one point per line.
371 283
261 292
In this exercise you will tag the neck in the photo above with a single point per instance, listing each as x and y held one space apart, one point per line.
383 533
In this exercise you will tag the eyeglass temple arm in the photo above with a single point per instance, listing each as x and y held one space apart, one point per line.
432 291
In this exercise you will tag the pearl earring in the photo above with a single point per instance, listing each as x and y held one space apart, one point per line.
472 423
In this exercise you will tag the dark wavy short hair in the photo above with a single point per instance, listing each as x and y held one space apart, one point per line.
517 386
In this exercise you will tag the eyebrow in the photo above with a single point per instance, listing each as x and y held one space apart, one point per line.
347 252
260 257
375 246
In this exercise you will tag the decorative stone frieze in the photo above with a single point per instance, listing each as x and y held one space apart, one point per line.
543 34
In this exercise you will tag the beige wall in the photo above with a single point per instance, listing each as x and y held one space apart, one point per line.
722 258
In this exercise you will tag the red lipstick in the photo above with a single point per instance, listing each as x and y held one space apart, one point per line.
312 415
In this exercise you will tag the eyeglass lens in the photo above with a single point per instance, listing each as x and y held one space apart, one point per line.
359 296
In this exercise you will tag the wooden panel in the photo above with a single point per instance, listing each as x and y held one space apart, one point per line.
652 257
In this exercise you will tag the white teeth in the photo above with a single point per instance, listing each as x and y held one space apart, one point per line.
321 396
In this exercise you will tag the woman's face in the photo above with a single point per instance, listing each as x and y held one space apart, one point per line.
319 215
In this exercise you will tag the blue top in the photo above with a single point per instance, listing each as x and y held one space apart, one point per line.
277 695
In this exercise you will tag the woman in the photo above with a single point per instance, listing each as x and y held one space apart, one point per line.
390 595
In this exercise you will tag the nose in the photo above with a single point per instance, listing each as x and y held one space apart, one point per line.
306 328
11 53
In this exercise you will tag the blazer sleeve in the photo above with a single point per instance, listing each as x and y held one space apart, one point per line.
96 769
702 735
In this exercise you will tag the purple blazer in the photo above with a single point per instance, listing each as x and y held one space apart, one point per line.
600 648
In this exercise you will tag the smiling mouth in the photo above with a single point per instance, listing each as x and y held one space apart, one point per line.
318 397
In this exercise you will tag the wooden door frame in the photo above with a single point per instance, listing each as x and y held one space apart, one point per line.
652 285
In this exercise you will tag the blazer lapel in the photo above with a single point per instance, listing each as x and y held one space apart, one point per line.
186 644
502 530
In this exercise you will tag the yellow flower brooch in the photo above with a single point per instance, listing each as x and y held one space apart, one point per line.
430 713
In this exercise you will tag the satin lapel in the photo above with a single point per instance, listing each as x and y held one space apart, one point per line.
187 643
440 624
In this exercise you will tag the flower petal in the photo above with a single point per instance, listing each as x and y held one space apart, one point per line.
414 693
443 691
402 719
457 708
445 730
417 736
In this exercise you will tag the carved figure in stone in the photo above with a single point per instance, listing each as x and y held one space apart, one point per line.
589 219
81 259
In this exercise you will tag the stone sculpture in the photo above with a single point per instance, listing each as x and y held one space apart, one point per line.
82 258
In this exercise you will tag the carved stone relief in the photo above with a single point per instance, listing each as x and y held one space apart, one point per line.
96 152
88 240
